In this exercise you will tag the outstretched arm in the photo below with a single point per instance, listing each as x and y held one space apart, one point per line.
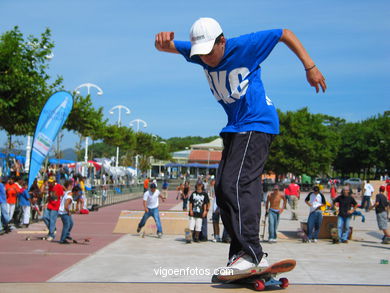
164 42
313 75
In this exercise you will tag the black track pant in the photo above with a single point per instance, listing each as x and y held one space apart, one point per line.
238 189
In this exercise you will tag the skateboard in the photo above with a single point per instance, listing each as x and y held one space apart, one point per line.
187 235
29 238
260 278
82 241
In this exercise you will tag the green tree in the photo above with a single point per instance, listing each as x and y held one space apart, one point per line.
24 82
306 145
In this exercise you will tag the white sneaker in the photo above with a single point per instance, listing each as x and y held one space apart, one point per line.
49 238
239 262
264 262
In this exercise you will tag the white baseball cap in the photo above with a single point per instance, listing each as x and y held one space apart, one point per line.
203 33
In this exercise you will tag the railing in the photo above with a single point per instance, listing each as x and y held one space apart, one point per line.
110 195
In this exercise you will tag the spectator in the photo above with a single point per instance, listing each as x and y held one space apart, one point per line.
4 219
51 212
146 184
25 204
164 188
381 207
186 191
347 205
274 211
11 189
198 208
180 191
64 212
333 191
368 191
295 194
315 200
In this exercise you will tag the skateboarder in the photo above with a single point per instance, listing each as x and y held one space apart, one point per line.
151 203
232 68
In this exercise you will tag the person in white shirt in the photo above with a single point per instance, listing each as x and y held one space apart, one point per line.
368 191
64 211
315 200
151 202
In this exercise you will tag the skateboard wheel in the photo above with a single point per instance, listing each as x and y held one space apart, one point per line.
259 285
284 283
28 238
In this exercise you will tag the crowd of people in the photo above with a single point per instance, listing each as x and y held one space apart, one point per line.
46 199
343 204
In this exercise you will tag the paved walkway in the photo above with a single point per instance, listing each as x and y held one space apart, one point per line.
122 263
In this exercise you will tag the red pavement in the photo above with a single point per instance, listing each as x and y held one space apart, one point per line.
39 260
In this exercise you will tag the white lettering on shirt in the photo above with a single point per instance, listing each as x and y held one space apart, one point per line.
238 84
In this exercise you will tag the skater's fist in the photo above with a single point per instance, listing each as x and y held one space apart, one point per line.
164 42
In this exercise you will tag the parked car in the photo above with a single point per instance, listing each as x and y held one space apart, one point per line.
354 182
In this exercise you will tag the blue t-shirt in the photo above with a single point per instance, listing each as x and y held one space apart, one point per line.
236 81
24 198
3 197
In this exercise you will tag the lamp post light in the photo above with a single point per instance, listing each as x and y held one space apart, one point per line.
119 107
138 121
132 122
99 92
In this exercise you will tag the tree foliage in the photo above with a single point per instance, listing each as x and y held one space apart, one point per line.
24 82
305 144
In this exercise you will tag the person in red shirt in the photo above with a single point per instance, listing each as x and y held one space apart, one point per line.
146 184
333 191
295 194
11 190
388 189
56 191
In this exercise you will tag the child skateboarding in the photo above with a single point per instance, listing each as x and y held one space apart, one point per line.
232 68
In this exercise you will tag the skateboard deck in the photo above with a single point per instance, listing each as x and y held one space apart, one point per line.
29 238
187 235
81 241
260 278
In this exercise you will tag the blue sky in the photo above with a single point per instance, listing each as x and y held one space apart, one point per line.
111 44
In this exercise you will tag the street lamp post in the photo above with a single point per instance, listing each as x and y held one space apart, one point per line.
119 107
138 121
99 92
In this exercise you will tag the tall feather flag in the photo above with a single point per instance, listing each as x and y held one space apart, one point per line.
52 118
